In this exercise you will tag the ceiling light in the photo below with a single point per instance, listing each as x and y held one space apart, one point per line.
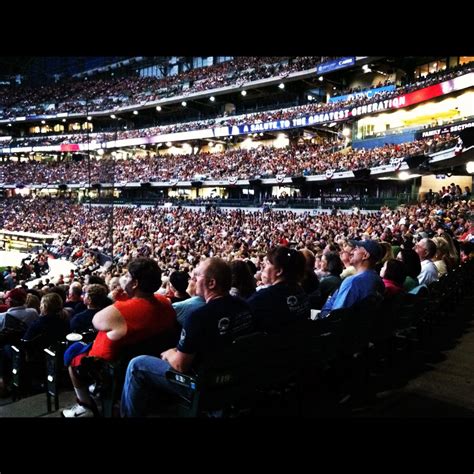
244 93
113 116
212 98
184 103
470 167
135 112
158 107
281 86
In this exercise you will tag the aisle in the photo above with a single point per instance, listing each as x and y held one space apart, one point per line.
439 382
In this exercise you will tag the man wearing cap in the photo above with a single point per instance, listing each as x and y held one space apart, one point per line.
366 282
16 300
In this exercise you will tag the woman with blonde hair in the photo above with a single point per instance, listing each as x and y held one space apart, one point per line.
32 301
442 252
387 255
452 257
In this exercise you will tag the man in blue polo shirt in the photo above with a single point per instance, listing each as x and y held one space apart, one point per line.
366 282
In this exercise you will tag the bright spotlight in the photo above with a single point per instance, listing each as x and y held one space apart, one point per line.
404 175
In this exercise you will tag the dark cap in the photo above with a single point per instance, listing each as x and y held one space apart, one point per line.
371 246
179 280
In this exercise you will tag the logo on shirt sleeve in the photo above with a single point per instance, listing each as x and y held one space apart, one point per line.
223 325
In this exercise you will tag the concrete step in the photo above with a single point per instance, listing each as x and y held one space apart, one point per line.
35 406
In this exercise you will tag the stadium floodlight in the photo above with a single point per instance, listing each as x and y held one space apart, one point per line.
404 175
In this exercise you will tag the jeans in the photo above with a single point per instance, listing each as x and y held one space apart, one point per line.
146 378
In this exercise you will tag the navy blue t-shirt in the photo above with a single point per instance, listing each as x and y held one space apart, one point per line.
279 305
51 328
215 325
83 321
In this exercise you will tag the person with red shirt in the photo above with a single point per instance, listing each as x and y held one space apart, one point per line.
393 274
142 316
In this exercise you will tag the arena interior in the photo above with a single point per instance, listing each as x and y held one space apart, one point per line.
236 236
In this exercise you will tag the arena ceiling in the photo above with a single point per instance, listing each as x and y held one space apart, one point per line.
49 65
10 65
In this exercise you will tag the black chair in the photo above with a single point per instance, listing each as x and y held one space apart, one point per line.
241 377
108 376
55 373
350 330
13 330
28 367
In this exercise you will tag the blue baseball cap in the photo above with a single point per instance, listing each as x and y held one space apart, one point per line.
371 246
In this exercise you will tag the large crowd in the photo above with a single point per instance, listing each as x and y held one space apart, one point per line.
261 270
179 237
212 274
249 119
84 96
115 93
263 162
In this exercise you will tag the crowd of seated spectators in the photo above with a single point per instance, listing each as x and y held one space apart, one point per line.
250 118
263 162
281 263
84 96
178 237
76 96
